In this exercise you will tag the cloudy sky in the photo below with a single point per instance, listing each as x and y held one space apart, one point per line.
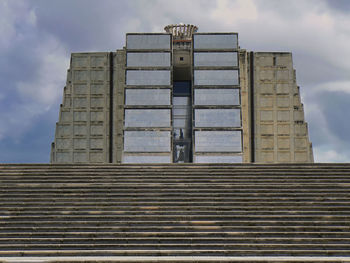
37 37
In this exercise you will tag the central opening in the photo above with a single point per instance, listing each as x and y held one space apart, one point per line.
182 122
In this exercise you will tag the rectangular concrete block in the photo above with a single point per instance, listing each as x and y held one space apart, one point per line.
266 101
98 75
80 89
64 130
265 61
81 75
97 130
283 129
298 115
283 115
80 143
266 129
80 61
63 144
63 157
300 129
97 116
80 157
80 130
98 89
266 157
283 88
283 157
266 75
97 157
282 74
80 103
66 116
266 115
80 116
67 102
284 61
267 142
296 100
283 143
98 61
97 103
301 157
300 143
266 88
96 143
283 102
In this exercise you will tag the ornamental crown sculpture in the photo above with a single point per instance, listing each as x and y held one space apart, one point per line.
181 31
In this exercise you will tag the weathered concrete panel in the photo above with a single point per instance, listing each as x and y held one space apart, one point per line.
266 115
266 129
283 115
283 129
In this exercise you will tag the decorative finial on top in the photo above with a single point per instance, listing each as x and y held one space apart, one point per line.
181 31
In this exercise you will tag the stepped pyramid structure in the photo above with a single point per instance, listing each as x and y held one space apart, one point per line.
181 97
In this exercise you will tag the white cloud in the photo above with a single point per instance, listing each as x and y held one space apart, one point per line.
47 87
230 13
342 86
32 97
323 155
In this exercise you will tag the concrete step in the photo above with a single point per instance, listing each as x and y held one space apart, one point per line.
174 210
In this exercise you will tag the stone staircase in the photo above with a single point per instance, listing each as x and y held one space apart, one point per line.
197 213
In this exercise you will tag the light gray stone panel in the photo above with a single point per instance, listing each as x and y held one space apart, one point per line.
147 141
149 59
148 77
218 141
218 159
215 59
217 117
216 97
216 77
127 158
151 41
147 97
215 41
147 118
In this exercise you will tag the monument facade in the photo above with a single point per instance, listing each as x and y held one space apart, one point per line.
181 97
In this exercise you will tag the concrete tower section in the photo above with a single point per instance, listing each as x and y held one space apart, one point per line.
181 97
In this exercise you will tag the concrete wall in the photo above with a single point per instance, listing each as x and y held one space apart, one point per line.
281 134
82 129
